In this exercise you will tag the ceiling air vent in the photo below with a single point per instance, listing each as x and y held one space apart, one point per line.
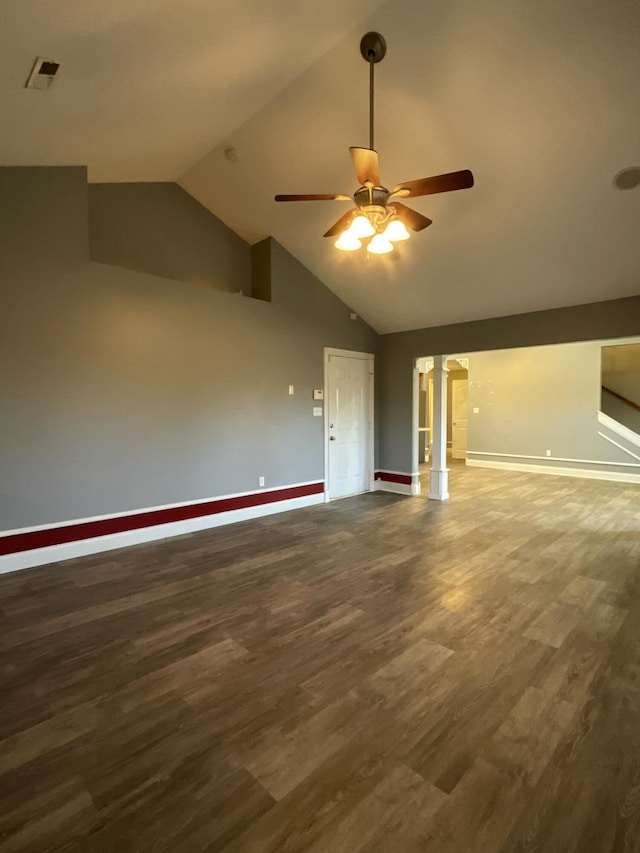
43 74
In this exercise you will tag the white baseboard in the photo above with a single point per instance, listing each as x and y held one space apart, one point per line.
83 547
397 488
581 473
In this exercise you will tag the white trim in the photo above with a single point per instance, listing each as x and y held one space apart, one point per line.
397 488
620 446
552 459
83 547
620 429
582 473
414 488
415 417
439 484
348 353
362 356
612 342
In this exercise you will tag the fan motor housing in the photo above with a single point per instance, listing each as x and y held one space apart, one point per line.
376 196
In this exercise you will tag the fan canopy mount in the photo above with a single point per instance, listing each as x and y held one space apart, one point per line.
373 47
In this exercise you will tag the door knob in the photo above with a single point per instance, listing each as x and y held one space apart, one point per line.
332 438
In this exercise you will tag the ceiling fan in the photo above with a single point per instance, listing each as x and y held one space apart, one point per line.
379 218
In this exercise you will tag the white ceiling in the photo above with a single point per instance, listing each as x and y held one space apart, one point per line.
539 99
147 87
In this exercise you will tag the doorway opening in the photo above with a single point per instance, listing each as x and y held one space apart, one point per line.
457 408
544 409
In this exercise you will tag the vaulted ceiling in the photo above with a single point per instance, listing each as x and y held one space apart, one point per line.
539 100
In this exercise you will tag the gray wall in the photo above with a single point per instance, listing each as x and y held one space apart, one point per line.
122 390
160 229
536 399
600 320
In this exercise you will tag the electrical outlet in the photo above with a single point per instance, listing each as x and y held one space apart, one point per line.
261 481
548 453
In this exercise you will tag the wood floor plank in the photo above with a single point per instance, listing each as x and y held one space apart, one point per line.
527 738
396 815
582 592
49 819
284 763
553 625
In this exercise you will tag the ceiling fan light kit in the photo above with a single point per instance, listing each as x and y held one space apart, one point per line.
348 242
361 226
378 219
379 245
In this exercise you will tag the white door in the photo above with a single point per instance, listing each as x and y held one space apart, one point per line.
348 415
459 418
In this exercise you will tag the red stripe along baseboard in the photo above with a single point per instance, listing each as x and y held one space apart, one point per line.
27 540
394 477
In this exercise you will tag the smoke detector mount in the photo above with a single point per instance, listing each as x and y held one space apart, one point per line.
43 74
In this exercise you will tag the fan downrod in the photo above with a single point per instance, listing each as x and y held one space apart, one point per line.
373 47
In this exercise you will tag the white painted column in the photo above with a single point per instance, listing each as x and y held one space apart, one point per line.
415 476
439 486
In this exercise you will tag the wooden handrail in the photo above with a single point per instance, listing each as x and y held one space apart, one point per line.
620 397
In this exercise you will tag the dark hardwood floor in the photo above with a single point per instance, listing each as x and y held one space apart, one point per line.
376 674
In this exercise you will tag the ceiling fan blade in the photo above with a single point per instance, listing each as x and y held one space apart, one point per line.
338 197
340 225
365 162
437 184
411 218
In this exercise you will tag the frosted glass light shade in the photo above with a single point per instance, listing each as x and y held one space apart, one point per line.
361 227
348 242
396 230
379 245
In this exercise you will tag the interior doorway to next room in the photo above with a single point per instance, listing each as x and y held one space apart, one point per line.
457 408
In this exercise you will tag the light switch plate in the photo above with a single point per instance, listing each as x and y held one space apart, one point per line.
317 411
476 410
290 390
318 394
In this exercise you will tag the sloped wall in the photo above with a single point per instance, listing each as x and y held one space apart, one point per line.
159 228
